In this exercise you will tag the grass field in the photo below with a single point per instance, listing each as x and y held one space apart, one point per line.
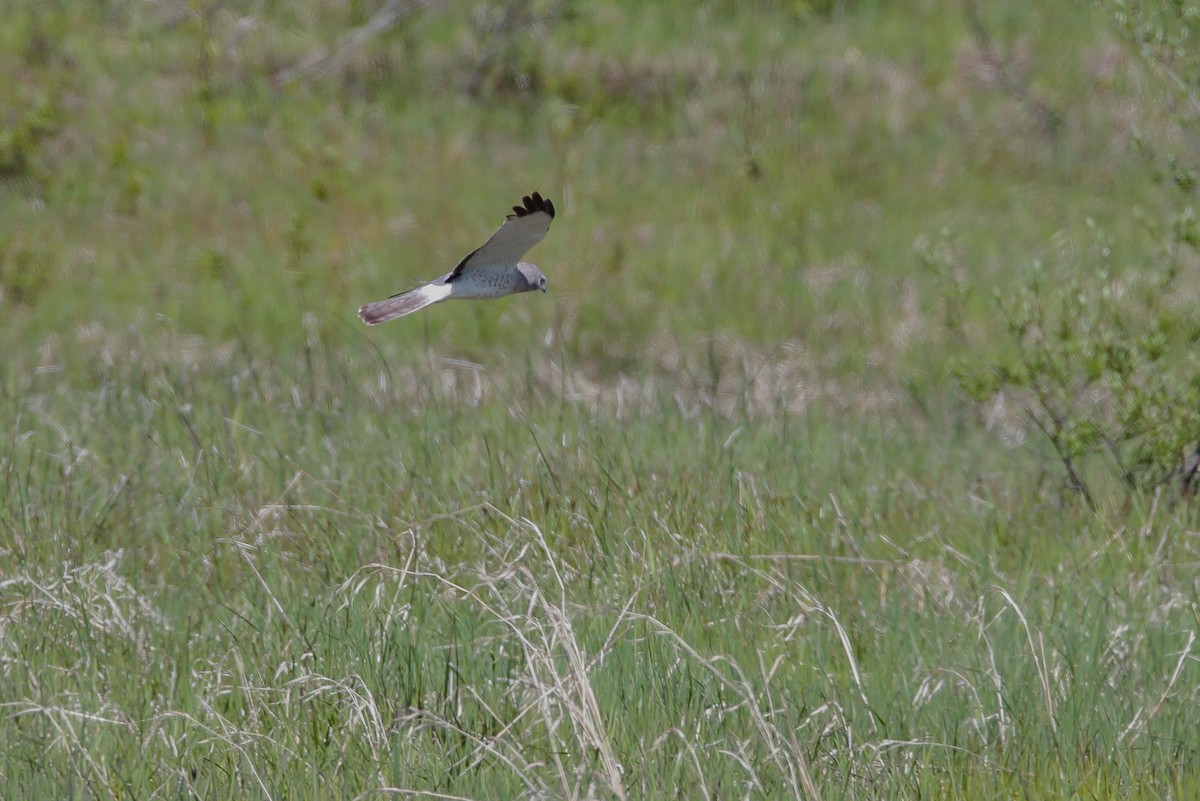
710 519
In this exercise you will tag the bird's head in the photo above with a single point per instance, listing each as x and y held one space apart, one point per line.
534 279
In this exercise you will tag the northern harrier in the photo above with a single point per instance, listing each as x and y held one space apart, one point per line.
493 270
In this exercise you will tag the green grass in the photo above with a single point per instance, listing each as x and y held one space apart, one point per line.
708 519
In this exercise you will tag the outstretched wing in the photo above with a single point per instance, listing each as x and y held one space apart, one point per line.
522 229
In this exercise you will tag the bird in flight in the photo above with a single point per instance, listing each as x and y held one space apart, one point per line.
492 270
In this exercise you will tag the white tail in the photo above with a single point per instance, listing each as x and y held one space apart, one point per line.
405 303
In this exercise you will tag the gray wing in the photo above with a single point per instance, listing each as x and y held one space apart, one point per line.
522 229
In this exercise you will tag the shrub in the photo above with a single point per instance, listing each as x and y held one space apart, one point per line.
1102 362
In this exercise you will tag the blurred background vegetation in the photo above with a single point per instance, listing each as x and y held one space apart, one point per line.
233 166
898 297
741 183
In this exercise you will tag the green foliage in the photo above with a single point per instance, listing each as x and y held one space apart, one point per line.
1103 368
228 570
21 134
36 75
1102 360
702 521
1167 32
25 272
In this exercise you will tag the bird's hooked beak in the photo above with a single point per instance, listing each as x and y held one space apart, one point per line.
542 283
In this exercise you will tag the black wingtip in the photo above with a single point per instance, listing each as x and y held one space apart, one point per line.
533 203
